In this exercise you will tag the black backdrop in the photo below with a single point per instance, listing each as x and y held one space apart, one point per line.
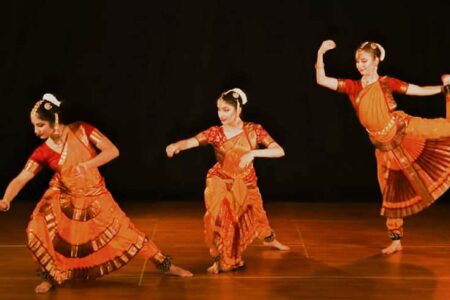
147 73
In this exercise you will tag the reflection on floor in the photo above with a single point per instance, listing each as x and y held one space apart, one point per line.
335 254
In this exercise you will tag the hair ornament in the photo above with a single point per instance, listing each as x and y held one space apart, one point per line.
52 99
36 106
363 45
238 93
375 46
47 106
382 51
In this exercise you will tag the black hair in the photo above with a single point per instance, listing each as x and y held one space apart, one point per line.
232 98
370 47
47 111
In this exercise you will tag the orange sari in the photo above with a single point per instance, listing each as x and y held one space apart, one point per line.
234 211
77 231
412 153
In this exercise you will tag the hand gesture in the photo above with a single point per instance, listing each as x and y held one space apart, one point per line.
326 45
80 169
445 79
172 149
246 159
4 205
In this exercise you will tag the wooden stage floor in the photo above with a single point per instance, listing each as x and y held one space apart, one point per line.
335 254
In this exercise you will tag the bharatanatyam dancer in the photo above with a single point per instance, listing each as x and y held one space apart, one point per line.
77 231
234 209
412 153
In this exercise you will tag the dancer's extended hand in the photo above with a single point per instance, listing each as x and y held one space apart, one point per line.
246 159
172 149
326 45
4 205
81 169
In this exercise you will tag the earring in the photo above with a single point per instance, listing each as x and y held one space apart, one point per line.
57 128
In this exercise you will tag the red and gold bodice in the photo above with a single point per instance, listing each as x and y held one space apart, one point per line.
375 105
228 151
78 147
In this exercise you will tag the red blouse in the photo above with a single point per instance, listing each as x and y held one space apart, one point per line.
45 156
216 136
353 87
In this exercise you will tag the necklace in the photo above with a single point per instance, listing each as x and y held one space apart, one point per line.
368 80
232 131
57 143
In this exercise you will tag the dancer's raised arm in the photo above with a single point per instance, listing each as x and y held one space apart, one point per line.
321 77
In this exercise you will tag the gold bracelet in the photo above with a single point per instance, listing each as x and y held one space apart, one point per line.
319 67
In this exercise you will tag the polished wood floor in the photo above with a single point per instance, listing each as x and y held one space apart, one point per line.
335 255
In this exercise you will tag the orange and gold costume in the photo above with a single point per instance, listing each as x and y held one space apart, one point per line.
77 231
412 153
234 209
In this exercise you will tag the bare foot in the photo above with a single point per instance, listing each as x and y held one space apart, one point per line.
395 246
43 287
177 271
277 245
214 269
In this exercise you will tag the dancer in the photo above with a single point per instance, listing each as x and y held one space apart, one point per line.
234 209
412 153
77 231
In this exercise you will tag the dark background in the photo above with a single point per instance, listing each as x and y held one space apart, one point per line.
147 73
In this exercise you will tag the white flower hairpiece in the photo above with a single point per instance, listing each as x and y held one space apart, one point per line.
382 52
240 93
52 99
372 44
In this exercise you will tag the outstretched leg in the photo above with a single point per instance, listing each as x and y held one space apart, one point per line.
272 242
162 262
395 228
46 284
265 232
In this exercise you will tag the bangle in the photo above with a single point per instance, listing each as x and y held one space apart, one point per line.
319 66
446 89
